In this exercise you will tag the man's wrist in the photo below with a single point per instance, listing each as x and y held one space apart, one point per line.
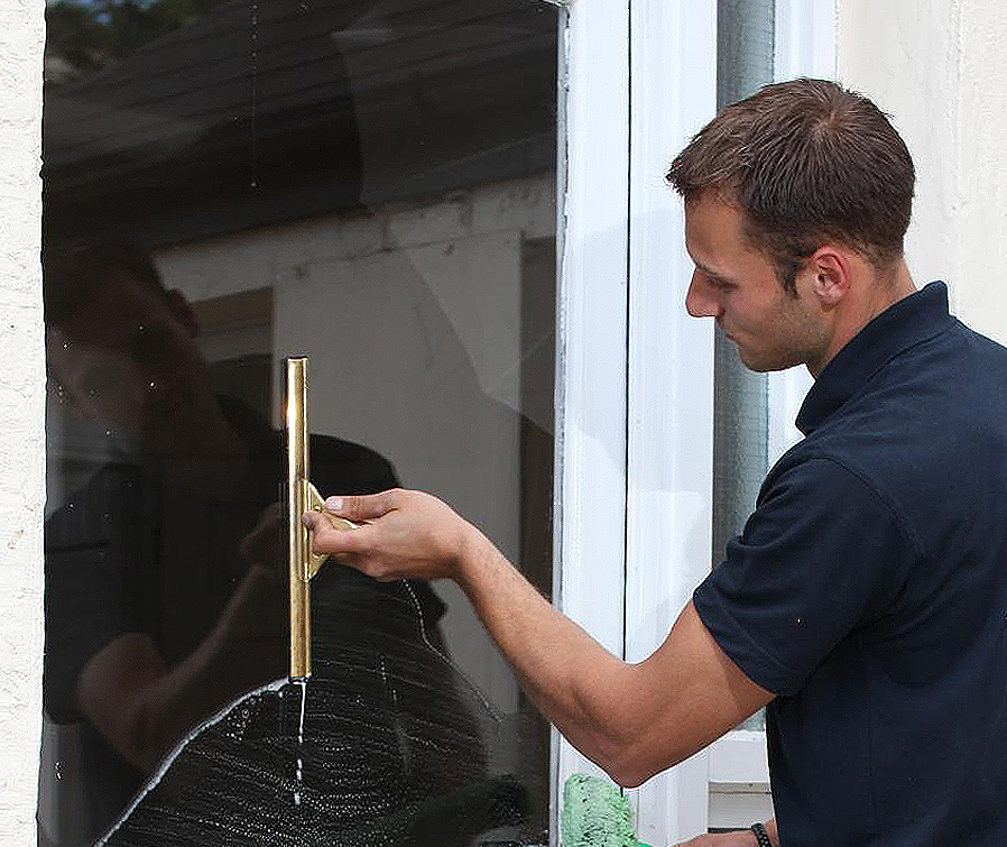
471 550
762 836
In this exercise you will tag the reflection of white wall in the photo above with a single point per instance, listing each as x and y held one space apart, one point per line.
411 318
388 371
476 281
465 246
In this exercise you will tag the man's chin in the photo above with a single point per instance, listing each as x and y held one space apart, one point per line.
763 364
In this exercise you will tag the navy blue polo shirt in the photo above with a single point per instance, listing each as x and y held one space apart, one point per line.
868 591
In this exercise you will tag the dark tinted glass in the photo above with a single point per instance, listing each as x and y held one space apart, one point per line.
371 185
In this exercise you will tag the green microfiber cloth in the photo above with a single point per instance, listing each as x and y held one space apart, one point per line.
596 814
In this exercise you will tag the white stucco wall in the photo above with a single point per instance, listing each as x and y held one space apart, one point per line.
21 414
940 68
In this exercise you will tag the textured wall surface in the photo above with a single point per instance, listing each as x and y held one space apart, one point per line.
940 68
22 386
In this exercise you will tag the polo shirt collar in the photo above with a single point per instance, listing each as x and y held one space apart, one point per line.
913 319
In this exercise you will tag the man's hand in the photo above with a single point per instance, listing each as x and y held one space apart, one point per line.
403 535
250 639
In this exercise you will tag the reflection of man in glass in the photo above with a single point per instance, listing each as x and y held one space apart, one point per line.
161 600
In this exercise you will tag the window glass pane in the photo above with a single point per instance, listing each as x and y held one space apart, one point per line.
369 184
745 31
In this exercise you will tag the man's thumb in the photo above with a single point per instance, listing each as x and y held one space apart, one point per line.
362 507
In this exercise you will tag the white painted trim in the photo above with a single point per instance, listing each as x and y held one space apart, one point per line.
739 760
739 809
590 502
805 39
670 483
787 390
739 780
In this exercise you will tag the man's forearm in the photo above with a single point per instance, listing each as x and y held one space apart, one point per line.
138 705
576 683
632 719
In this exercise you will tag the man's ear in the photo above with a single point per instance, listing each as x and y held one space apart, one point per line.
829 275
183 312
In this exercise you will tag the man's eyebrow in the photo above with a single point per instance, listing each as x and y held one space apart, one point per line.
707 270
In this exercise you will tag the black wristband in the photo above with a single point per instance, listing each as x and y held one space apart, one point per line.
761 835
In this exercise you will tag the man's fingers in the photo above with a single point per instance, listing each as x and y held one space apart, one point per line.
351 547
325 538
362 507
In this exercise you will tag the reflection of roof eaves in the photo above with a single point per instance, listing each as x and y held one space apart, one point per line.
299 200
406 102
81 128
210 70
519 157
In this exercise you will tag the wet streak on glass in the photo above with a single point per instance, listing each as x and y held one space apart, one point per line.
385 748
226 184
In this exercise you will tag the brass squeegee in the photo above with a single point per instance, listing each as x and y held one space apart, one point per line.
301 496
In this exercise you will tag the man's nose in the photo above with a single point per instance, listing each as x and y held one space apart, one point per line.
698 301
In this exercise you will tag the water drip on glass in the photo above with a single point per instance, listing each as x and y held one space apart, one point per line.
300 742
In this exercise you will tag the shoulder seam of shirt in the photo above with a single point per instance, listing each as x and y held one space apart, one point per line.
886 500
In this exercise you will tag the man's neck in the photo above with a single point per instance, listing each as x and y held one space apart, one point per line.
864 303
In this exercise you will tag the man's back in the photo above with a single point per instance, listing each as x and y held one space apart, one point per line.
869 591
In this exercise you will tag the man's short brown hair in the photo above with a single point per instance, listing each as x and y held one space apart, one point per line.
808 162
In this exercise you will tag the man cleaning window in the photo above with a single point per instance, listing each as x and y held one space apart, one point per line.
865 601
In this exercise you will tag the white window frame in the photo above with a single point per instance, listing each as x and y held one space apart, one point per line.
634 476
630 487
635 374
591 332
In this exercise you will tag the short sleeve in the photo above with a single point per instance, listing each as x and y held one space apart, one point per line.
822 555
